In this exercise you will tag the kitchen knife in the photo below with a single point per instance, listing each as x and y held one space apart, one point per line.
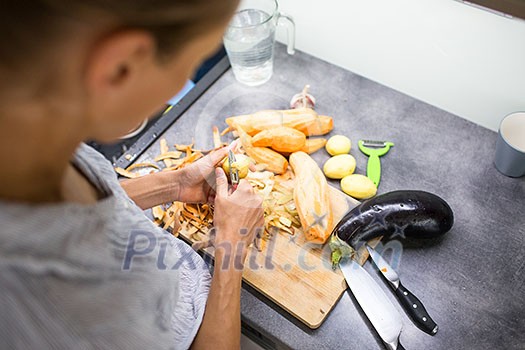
412 305
379 310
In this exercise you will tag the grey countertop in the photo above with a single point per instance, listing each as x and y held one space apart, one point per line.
472 281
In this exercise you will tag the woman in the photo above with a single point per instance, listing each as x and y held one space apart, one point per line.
80 264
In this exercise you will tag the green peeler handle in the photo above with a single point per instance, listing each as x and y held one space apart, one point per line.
373 169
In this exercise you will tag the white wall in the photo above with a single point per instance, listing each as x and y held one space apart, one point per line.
464 60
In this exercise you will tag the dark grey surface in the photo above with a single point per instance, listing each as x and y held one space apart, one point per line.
472 282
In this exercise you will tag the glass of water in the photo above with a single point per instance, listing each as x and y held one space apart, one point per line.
250 37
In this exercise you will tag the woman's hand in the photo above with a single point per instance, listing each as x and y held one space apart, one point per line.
237 218
197 180
192 184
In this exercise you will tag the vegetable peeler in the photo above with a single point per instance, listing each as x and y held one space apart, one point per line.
234 172
373 169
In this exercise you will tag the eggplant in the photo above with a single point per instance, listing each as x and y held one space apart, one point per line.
409 213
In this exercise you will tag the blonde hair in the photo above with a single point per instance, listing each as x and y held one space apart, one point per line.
30 27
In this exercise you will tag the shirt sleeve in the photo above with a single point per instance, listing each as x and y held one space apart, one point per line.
194 282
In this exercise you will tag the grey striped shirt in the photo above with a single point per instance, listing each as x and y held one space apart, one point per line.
97 276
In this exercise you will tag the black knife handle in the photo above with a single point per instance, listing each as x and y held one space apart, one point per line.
415 309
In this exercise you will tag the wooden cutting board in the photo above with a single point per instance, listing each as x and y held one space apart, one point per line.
295 274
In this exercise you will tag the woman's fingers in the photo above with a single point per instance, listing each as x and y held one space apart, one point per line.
221 183
236 213
218 155
245 186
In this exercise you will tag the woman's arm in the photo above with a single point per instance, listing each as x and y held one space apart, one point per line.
237 218
191 184
154 189
221 326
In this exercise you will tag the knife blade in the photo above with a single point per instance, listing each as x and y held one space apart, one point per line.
410 303
379 310
234 172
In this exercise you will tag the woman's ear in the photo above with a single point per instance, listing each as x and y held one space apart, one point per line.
119 71
117 60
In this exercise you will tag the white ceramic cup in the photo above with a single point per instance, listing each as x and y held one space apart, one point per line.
510 147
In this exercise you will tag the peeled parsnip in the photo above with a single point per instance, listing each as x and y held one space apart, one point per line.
311 196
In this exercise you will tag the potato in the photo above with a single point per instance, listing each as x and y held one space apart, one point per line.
358 186
338 144
242 163
339 166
